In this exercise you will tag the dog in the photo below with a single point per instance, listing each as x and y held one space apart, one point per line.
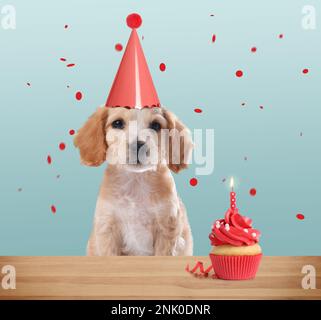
138 211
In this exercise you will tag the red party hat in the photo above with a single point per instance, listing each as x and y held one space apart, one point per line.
133 85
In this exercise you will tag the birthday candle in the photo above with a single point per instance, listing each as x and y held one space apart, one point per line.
232 195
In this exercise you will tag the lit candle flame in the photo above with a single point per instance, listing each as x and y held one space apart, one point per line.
232 183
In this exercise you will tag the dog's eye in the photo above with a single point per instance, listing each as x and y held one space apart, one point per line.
155 126
118 124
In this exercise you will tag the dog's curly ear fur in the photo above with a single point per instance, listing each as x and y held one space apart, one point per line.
180 142
91 139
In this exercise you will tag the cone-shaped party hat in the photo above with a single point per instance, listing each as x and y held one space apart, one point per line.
133 85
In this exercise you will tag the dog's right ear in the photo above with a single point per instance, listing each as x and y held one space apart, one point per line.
91 139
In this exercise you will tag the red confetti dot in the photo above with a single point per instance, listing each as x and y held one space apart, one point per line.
62 146
53 209
118 47
300 216
63 59
193 182
72 132
253 49
70 65
78 95
281 36
305 71
253 192
66 26
49 160
162 67
198 110
134 20
239 73
261 107
213 38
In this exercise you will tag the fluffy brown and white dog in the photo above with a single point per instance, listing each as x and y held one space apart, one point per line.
138 211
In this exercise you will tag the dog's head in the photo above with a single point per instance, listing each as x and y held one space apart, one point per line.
138 140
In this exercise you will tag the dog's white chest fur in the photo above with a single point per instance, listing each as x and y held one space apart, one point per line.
136 217
136 229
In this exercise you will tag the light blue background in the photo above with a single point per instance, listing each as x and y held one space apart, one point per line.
283 166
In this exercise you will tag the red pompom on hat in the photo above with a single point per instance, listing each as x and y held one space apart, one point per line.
134 20
133 86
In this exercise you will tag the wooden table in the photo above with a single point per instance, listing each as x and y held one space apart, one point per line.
152 278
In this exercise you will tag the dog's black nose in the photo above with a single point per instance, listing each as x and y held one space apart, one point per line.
139 145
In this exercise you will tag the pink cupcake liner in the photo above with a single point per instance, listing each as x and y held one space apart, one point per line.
235 267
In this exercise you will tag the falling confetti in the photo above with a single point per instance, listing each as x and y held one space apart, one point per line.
78 95
66 26
223 180
62 146
243 104
58 176
261 107
301 134
245 158
253 192
70 65
63 59
305 71
239 73
49 160
53 209
19 189
71 132
253 49
211 15
198 110
118 47
28 84
193 182
213 38
300 216
162 67
281 36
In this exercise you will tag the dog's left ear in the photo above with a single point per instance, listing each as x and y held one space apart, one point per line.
180 142
91 139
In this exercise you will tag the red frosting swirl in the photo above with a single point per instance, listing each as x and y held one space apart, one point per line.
234 229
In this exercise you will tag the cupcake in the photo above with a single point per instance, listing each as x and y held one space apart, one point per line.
236 254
